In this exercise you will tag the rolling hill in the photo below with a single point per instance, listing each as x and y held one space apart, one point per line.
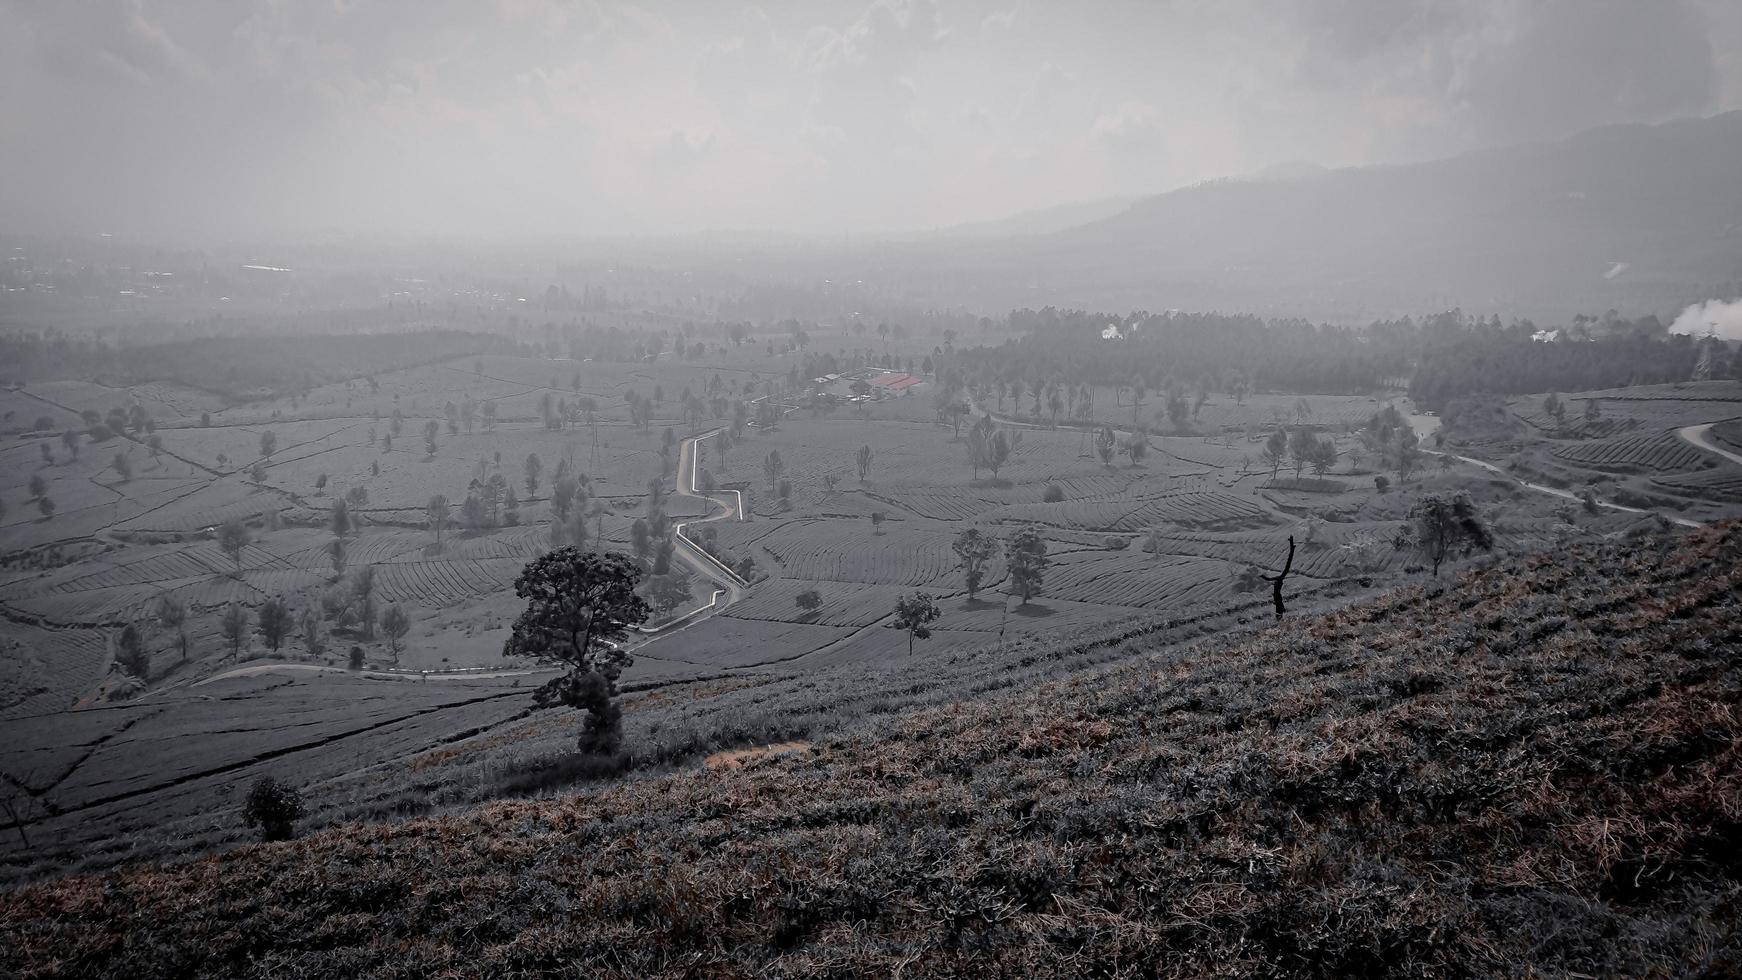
1531 770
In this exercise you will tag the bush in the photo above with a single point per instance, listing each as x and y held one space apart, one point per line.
1054 494
1381 483
356 658
274 807
1114 542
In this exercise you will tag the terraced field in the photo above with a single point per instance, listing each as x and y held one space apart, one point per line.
1655 452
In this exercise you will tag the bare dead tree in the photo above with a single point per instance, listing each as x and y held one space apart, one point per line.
1276 580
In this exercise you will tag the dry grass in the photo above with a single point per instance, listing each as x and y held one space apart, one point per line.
1535 771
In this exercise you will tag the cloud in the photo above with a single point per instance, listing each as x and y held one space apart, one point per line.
244 116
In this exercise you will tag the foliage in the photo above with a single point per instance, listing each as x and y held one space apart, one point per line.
578 607
1025 557
233 536
974 548
912 613
274 807
274 619
395 624
1445 526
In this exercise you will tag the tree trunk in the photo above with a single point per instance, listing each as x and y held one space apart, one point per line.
1277 579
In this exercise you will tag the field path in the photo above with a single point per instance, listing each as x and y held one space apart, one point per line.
1426 425
1698 436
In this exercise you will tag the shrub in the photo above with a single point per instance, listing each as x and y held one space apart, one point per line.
356 658
274 807
1114 542
1381 483
1054 494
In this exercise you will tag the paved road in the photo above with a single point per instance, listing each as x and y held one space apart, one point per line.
1700 436
731 586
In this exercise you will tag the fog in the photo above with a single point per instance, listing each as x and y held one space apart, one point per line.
225 120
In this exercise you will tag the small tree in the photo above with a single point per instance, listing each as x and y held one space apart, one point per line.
1025 556
1136 448
172 614
274 618
1106 445
274 807
123 467
131 654
430 429
363 589
578 607
234 625
1275 451
341 518
974 549
394 625
669 591
864 459
1443 526
877 519
534 469
232 538
38 486
772 467
912 614
436 514
313 642
336 555
320 485
45 505
809 600
268 443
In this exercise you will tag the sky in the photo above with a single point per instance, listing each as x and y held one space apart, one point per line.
224 119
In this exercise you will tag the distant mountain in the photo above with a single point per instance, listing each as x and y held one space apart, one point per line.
1641 218
1042 221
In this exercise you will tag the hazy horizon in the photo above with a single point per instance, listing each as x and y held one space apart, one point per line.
530 118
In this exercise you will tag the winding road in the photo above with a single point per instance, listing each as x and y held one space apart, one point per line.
687 551
1699 435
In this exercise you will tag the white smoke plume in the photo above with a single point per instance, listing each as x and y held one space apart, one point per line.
1723 317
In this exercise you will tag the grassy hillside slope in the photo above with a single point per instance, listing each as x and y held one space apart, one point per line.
1534 770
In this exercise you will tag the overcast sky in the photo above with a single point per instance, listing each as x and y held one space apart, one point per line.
224 118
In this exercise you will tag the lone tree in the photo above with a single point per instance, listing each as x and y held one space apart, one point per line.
1443 526
974 549
809 600
131 652
1106 445
578 606
232 538
274 617
912 613
772 467
234 626
274 807
436 512
1277 579
172 614
1025 556
395 624
864 458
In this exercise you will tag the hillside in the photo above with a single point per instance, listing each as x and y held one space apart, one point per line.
1525 770
1639 218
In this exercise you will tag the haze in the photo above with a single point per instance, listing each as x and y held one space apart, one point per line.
220 120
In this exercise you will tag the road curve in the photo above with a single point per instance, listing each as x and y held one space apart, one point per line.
1699 436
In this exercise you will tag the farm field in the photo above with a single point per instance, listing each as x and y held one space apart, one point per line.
860 505
1631 451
